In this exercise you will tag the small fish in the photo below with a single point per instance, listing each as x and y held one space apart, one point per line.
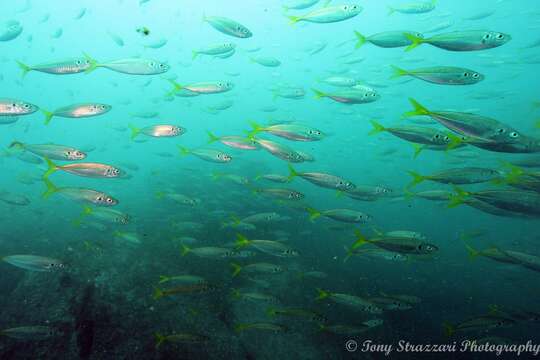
210 87
228 26
274 178
462 40
458 176
10 30
260 326
76 111
280 151
343 215
206 154
88 196
133 66
182 279
352 301
14 199
237 142
329 14
130 237
274 248
183 290
12 107
117 40
289 92
295 132
262 268
322 179
420 7
66 67
477 324
36 332
34 263
299 4
51 151
215 49
340 81
93 170
350 96
387 39
80 14
266 61
442 75
157 131
156 44
402 245
104 214
280 193
57 33
181 338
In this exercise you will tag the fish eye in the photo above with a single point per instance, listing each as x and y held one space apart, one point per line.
466 74
499 36
78 62
476 75
514 134
109 200
500 131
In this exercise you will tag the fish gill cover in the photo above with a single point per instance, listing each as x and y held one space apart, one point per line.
269 179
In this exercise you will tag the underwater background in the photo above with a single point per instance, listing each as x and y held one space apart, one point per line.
107 287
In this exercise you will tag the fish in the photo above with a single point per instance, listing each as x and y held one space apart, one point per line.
263 268
399 244
104 214
260 326
479 323
375 253
269 247
10 30
183 290
322 179
471 40
265 61
130 237
156 44
350 96
228 26
237 142
280 193
34 262
518 201
328 14
180 338
207 154
93 170
351 330
458 176
83 195
182 279
51 151
64 67
352 301
340 81
131 66
205 88
14 199
281 151
274 178
215 49
343 215
299 4
419 7
76 111
210 252
387 39
157 131
442 75
7 120
295 132
13 107
415 134
254 296
289 92
117 40
34 332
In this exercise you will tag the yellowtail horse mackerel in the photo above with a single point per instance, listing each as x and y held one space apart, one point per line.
484 132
